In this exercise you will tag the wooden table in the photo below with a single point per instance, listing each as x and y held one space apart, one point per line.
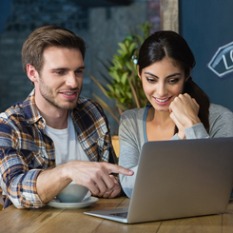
49 220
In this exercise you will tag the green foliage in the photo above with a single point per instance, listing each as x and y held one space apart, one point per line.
123 84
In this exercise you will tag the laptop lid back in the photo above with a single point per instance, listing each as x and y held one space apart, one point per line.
182 178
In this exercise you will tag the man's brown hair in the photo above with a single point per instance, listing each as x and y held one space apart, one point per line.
46 36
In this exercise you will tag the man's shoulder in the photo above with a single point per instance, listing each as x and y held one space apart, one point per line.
14 110
19 112
11 118
89 114
84 100
20 109
88 105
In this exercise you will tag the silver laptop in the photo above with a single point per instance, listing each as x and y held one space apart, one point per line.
178 179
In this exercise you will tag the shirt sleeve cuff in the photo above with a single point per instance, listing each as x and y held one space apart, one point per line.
196 131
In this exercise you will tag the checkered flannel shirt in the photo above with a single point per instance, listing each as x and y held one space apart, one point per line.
25 149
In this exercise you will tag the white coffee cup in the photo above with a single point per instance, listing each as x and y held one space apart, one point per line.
73 193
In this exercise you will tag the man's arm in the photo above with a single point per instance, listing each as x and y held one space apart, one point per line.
96 176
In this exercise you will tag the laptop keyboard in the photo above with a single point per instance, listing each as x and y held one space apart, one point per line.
121 214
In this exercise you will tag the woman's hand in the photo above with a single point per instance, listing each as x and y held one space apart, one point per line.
184 112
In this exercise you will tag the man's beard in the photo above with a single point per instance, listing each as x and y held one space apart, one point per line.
46 93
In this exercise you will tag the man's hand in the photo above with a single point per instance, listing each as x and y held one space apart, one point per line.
116 190
98 177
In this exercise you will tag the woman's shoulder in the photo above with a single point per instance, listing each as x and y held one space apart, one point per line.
133 113
218 109
131 124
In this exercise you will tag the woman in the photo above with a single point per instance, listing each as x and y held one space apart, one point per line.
177 109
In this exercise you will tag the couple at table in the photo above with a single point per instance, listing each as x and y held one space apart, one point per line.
56 136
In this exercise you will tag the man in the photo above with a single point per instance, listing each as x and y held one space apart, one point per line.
48 140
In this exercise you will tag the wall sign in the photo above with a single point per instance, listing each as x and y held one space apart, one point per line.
222 61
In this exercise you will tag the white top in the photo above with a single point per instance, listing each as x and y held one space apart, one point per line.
67 146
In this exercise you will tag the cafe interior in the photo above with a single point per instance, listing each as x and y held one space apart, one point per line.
103 24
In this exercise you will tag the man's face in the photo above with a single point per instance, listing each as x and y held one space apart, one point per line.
59 83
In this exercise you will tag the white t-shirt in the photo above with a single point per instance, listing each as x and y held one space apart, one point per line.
67 146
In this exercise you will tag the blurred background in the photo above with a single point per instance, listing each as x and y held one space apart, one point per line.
206 25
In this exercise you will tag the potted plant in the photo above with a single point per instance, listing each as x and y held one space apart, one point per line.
122 83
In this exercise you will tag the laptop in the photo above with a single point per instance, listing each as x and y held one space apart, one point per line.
178 179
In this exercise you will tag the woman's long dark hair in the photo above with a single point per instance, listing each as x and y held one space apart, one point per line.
169 43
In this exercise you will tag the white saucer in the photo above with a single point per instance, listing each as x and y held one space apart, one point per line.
68 205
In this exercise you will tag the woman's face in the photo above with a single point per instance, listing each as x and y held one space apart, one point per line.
162 82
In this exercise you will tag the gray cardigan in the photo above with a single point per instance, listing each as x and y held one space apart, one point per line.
132 134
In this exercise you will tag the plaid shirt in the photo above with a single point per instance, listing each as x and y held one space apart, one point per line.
25 149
